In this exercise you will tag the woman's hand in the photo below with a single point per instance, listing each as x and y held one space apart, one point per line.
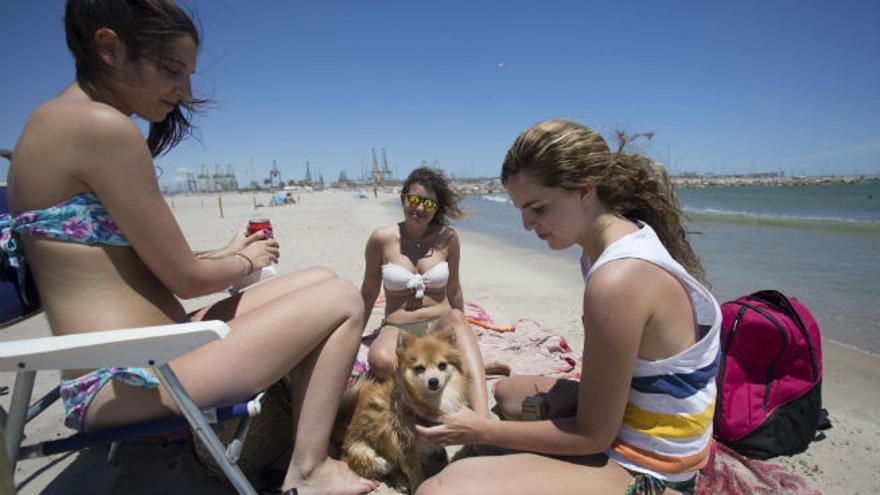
262 251
240 241
236 245
462 428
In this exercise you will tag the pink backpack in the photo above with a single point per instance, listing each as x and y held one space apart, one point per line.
769 380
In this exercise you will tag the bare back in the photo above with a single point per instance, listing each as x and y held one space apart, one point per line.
83 287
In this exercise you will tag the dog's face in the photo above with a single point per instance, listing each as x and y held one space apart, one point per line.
428 363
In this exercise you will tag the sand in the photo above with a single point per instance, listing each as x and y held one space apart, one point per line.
330 228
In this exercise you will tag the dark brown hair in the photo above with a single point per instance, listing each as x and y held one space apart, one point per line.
146 27
564 154
436 182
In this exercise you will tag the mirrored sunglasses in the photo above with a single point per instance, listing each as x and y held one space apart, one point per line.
414 201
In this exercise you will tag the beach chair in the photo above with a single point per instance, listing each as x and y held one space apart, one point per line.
6 485
148 347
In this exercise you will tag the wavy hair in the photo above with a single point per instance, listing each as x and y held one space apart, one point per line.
564 154
146 27
436 182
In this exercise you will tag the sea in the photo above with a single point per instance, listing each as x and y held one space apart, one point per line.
818 243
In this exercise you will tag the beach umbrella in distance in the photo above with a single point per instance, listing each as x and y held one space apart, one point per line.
6 154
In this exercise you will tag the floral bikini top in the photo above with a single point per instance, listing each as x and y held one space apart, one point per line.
81 219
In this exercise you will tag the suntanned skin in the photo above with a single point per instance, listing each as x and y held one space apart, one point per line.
418 245
631 309
306 324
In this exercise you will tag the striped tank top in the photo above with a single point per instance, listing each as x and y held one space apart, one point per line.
667 426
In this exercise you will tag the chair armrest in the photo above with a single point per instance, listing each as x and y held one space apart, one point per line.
143 347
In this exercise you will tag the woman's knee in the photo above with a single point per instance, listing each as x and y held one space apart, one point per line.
429 487
506 391
306 277
458 318
457 477
501 390
345 296
319 272
437 486
459 323
382 361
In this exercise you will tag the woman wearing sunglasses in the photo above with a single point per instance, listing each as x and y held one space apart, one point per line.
417 262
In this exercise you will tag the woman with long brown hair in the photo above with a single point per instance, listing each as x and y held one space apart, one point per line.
417 262
640 418
106 251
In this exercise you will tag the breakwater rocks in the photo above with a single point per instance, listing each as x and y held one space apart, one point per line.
763 181
490 186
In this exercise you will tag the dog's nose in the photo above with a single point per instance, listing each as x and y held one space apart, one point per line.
433 383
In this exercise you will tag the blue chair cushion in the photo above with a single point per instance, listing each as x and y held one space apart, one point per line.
12 306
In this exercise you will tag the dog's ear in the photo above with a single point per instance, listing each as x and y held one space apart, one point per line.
447 334
404 339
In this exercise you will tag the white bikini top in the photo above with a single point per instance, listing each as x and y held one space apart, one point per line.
396 277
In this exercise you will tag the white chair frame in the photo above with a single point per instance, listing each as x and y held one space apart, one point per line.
147 347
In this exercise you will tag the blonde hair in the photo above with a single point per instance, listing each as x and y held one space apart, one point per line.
564 154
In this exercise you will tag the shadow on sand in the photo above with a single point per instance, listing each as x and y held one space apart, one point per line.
140 469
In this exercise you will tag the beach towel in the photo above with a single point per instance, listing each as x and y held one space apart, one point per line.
733 474
478 316
529 349
526 347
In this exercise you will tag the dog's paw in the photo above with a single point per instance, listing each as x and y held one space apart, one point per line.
365 461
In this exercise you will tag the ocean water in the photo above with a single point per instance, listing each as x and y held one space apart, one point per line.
818 243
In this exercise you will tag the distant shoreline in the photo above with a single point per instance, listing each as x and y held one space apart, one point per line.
485 185
734 181
489 186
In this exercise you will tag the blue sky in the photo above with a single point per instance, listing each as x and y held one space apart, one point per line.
744 86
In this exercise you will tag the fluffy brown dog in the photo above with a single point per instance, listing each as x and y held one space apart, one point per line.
377 419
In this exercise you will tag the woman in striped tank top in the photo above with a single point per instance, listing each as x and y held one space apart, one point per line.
640 418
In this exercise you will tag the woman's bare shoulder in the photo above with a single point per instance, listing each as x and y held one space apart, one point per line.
446 237
618 302
66 137
620 279
82 128
381 237
449 233
624 283
447 230
385 233
82 117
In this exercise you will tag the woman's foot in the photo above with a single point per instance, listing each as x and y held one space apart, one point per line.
332 478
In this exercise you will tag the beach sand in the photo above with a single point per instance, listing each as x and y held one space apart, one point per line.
330 228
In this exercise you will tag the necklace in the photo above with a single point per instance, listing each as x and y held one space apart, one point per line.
417 242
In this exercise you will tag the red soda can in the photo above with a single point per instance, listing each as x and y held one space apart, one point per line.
258 224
